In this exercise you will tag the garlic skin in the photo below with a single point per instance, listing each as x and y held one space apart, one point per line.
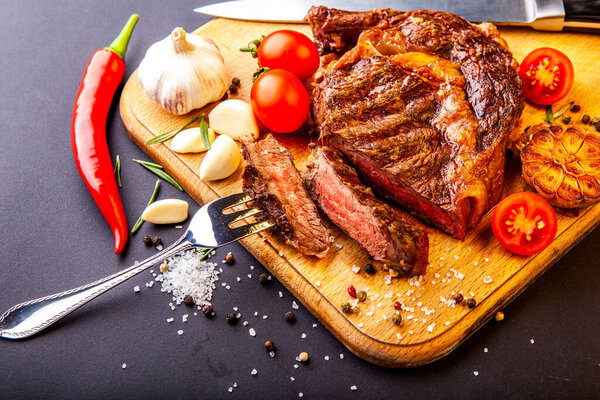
183 72
233 118
167 211
190 141
221 160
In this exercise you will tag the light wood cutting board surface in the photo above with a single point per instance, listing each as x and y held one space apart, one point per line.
432 327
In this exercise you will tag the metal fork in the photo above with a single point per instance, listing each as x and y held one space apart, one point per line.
209 228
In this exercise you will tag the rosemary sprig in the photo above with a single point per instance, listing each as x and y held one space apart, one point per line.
117 170
204 132
205 253
563 109
549 114
140 221
168 135
158 171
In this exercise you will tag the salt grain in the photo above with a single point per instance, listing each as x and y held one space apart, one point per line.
303 336
180 332
136 289
326 358
292 378
476 373
294 305
355 269
341 356
251 332
353 388
485 349
531 341
169 320
280 294
253 372
487 279
315 325
124 366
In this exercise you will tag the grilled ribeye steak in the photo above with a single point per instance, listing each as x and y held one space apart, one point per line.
421 106
386 233
272 180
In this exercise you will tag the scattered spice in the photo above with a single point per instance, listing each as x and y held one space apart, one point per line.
231 317
397 305
290 317
164 267
233 89
576 108
458 298
236 81
303 356
361 295
566 120
499 316
595 120
187 299
585 119
157 241
208 311
147 240
369 269
347 308
228 258
269 345
263 279
471 303
397 319
352 291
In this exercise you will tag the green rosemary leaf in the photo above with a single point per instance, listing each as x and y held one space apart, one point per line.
563 109
117 170
168 135
549 114
206 253
204 132
140 221
148 164
157 170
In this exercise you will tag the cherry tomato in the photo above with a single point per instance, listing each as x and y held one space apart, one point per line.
291 51
547 76
524 223
280 101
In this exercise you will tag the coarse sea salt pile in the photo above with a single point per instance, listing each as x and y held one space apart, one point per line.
188 275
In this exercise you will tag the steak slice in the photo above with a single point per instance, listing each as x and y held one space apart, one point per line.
271 179
386 233
421 106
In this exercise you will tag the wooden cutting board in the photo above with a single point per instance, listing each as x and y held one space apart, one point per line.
478 267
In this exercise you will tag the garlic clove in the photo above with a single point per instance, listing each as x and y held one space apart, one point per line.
167 211
233 118
183 72
221 160
190 141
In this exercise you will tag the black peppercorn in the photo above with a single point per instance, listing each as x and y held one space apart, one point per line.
595 121
347 308
471 303
236 81
290 317
361 295
225 96
585 119
263 279
269 345
147 240
231 317
369 269
156 241
233 89
576 108
566 120
458 298
208 311
188 300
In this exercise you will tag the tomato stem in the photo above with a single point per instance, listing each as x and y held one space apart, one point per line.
259 72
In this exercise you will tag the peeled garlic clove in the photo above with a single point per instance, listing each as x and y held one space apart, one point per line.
167 211
233 118
190 141
221 160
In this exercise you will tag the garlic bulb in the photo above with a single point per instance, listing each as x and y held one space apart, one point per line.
233 118
167 211
183 72
190 141
221 160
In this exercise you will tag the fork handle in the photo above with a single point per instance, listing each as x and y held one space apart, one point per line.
30 317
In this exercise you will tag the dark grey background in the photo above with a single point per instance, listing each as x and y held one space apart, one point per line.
54 238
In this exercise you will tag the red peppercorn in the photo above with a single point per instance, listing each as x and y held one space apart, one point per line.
397 305
351 291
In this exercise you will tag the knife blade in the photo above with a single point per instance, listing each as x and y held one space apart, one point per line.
551 15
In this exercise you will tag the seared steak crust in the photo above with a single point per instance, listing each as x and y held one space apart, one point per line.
388 234
421 106
271 179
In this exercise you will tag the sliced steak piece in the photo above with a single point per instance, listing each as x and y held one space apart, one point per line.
272 180
386 233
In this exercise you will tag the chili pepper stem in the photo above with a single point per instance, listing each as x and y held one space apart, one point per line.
119 45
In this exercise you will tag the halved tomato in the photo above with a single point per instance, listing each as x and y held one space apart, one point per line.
524 223
547 75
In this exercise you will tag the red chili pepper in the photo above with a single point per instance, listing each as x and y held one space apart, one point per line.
100 80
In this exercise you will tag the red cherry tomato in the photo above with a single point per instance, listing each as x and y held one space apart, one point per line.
291 51
524 223
280 101
547 76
